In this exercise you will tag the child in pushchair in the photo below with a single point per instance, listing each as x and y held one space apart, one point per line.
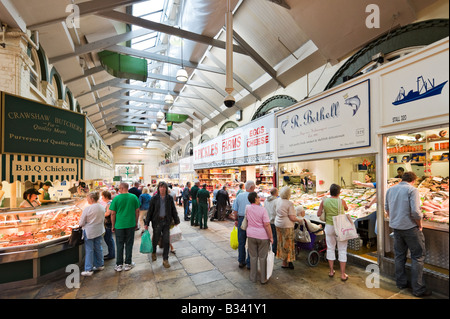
317 246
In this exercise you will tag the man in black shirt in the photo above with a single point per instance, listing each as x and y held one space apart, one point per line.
135 190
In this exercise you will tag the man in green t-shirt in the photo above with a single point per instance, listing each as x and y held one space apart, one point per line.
124 217
204 201
194 215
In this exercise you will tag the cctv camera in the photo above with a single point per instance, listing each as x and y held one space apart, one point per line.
229 101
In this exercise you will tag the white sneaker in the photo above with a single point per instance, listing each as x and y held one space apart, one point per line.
128 266
118 267
87 273
98 268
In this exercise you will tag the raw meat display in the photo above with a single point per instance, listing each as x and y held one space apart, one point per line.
33 227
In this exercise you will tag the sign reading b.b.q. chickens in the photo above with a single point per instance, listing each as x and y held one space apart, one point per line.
338 121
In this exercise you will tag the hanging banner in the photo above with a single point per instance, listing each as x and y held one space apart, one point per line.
417 90
250 144
33 128
337 121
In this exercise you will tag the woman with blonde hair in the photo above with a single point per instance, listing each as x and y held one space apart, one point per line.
284 222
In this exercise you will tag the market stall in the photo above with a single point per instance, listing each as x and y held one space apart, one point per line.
326 140
246 153
43 150
414 136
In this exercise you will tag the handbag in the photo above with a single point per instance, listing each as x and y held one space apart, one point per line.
76 237
175 234
343 226
301 234
323 217
233 215
146 243
244 223
270 262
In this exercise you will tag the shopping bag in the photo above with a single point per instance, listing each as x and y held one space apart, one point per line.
146 243
76 237
175 234
301 234
344 227
234 243
270 262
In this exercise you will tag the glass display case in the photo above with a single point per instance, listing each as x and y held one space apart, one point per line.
34 242
27 227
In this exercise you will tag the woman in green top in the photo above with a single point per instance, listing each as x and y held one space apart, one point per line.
333 206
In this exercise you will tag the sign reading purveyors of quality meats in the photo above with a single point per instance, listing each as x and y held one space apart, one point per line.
33 128
250 144
337 121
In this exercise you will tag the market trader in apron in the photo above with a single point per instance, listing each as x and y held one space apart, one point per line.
194 215
204 202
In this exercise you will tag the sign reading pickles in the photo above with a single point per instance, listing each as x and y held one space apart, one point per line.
29 127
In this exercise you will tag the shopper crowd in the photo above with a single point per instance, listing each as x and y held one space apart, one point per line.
260 228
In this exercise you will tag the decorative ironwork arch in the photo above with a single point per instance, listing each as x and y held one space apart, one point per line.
227 127
204 138
274 104
413 35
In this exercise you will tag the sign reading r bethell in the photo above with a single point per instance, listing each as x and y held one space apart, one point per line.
29 127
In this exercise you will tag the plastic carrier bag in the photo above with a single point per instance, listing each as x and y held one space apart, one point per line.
234 243
146 243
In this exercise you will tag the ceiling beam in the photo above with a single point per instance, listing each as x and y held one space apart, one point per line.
257 58
215 86
163 58
101 44
235 76
87 72
88 8
130 19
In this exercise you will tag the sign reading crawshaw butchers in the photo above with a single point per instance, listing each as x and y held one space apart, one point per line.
337 121
29 127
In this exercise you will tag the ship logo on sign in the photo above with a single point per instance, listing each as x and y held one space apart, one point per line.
424 89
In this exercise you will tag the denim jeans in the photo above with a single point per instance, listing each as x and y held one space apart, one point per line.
186 209
413 240
242 239
94 252
109 242
275 239
124 239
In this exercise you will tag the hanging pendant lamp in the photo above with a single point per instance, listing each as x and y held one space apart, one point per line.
168 99
160 115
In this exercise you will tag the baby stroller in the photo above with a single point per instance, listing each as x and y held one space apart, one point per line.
317 247
212 213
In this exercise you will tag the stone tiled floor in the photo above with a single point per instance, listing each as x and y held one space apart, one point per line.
205 267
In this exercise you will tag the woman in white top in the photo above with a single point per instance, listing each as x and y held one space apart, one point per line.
270 204
284 223
92 220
